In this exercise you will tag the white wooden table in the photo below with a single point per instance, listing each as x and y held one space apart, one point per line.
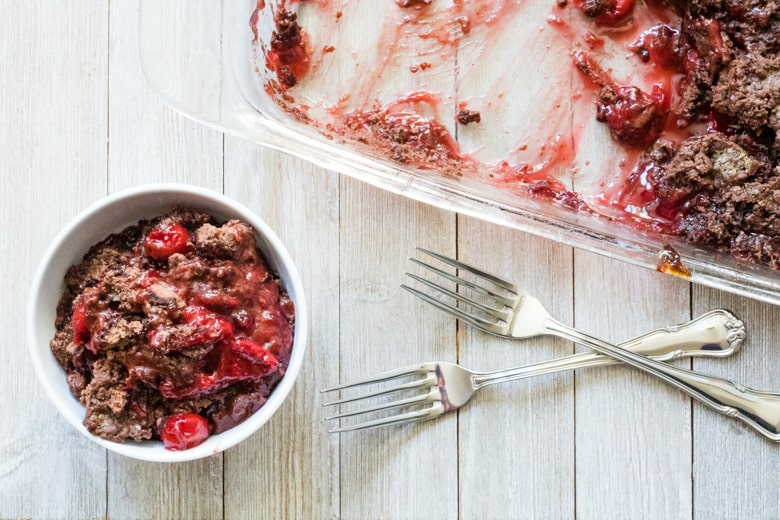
78 122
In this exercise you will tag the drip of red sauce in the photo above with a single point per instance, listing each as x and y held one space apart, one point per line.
255 18
636 198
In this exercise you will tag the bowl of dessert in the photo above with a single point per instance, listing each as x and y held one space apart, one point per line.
167 322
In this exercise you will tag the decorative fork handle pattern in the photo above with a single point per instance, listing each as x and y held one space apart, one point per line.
716 333
758 409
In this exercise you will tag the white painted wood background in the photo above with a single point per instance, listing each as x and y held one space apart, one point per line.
78 122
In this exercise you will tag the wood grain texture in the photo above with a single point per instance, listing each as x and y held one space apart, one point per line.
148 143
52 137
79 122
407 471
518 435
737 472
633 433
290 468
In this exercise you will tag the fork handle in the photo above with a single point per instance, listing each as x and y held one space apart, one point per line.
758 409
716 333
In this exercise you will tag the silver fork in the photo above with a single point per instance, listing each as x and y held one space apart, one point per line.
445 387
512 311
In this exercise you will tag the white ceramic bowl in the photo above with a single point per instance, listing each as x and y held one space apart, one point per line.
114 214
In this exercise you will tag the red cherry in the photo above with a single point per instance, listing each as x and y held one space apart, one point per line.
204 381
219 301
162 242
211 327
242 318
185 431
168 390
79 322
617 12
658 45
634 117
203 384
256 352
271 330
245 359
608 13
147 279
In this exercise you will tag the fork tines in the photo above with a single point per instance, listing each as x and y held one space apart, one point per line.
425 404
498 298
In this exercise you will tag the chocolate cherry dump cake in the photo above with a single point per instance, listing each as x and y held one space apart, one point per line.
173 329
661 116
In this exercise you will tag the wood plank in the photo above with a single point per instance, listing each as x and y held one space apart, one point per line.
633 433
151 143
53 101
290 468
406 471
737 471
522 431
148 141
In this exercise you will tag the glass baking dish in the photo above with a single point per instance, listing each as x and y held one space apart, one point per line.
208 61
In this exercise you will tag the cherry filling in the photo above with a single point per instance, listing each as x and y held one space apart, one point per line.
658 45
238 360
243 358
79 323
289 55
200 328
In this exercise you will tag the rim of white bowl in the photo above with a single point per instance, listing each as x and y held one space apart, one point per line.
152 450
